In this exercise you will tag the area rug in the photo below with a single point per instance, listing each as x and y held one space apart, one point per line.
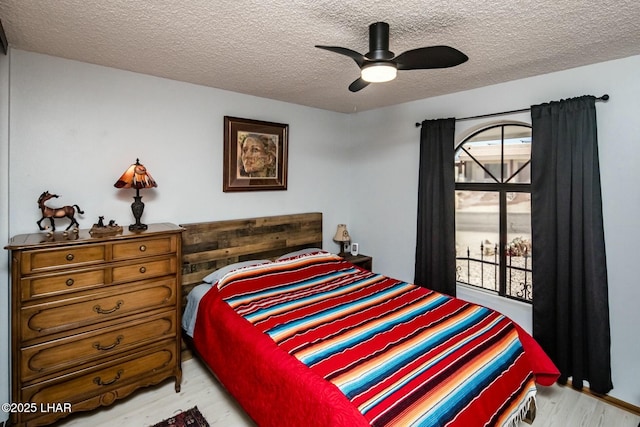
189 418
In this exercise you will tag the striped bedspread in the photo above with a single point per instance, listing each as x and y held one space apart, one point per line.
402 354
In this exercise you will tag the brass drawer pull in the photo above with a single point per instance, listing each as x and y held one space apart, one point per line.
99 381
70 257
97 345
99 310
143 270
69 282
143 248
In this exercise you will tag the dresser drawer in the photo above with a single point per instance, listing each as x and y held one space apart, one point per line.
146 247
70 281
145 269
40 320
34 261
43 359
102 379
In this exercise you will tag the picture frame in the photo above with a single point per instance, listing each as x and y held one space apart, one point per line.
255 155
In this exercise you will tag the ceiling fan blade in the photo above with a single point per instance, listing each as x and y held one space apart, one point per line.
430 57
358 57
358 84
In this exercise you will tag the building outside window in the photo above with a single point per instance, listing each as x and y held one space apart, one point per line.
493 210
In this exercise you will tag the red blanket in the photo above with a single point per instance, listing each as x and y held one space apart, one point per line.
358 348
274 388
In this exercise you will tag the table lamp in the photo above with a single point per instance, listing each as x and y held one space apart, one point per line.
342 236
136 176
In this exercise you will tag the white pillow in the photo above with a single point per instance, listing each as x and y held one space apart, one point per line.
300 252
216 275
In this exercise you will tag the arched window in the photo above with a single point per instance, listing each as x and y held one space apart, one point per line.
493 210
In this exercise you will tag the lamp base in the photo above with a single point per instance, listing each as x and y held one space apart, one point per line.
137 207
138 227
343 249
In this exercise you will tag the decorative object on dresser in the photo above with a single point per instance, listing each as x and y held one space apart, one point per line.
255 155
100 229
93 318
342 237
136 176
52 213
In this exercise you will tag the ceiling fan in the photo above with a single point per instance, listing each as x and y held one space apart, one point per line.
381 65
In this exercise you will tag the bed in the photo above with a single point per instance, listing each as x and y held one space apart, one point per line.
300 336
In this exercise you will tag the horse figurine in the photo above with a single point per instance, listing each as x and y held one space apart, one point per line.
51 213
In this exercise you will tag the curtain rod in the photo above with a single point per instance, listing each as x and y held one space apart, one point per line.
604 98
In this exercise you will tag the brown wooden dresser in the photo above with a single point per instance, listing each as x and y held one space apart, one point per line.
93 318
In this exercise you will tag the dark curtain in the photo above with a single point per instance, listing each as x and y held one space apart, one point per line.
570 298
435 242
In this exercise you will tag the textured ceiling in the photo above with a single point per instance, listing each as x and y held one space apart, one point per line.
266 47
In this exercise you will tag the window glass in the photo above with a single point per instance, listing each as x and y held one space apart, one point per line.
518 250
517 154
477 236
498 154
493 211
478 161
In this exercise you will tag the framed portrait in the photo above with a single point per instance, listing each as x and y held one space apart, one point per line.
255 155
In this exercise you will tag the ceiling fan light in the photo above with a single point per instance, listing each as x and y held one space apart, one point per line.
378 73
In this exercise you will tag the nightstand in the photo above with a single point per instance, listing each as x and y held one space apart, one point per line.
363 261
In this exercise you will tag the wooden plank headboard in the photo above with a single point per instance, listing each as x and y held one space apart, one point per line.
207 246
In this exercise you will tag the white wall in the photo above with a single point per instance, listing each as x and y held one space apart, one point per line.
4 228
387 148
76 127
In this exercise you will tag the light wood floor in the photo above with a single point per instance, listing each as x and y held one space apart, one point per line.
557 406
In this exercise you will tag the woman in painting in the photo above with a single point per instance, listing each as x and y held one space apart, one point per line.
257 156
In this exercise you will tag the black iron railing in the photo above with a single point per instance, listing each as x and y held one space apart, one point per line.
482 270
